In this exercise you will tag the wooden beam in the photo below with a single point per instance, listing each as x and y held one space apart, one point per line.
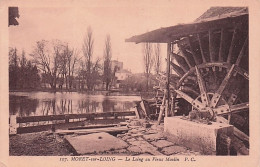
13 125
202 86
177 69
242 52
212 48
144 108
189 90
221 46
72 116
162 108
221 88
137 113
173 97
232 45
169 51
183 54
201 48
195 103
181 61
89 131
195 57
170 34
239 107
241 135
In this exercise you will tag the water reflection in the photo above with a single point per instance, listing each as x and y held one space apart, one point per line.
44 103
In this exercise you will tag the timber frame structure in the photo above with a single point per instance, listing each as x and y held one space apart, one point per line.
207 67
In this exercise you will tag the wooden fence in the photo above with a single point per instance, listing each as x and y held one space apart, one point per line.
15 121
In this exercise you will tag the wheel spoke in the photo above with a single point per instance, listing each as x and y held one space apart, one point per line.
189 90
221 88
202 86
225 109
185 56
195 103
241 54
193 52
222 45
177 69
232 45
239 107
181 61
201 48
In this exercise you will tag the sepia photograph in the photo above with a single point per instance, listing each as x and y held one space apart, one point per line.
129 81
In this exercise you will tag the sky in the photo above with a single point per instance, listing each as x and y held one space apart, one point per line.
119 19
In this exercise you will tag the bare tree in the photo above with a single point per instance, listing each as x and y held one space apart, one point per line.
73 59
47 58
148 61
92 68
88 46
68 61
107 62
157 58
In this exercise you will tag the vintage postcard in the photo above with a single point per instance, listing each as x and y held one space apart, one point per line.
133 83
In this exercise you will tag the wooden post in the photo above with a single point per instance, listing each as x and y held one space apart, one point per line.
162 108
137 113
172 105
13 125
168 78
143 108
67 120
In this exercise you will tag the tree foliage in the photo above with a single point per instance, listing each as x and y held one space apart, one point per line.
107 75
22 74
148 61
157 58
90 68
47 56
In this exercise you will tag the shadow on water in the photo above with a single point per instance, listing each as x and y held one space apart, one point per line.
38 104
22 105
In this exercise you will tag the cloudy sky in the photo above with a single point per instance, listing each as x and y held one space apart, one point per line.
120 19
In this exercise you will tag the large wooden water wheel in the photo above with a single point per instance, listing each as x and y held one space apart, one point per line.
213 74
207 67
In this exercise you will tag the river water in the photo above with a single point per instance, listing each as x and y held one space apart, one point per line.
46 103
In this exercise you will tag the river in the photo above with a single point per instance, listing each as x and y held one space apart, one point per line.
46 103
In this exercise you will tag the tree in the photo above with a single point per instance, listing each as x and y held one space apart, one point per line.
13 68
22 75
148 61
157 58
107 77
68 60
72 57
23 70
47 58
90 68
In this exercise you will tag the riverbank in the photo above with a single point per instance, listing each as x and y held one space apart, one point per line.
148 94
37 144
143 138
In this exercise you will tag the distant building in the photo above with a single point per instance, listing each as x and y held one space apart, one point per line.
116 65
122 74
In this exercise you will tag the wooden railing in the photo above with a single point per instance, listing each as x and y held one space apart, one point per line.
15 121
